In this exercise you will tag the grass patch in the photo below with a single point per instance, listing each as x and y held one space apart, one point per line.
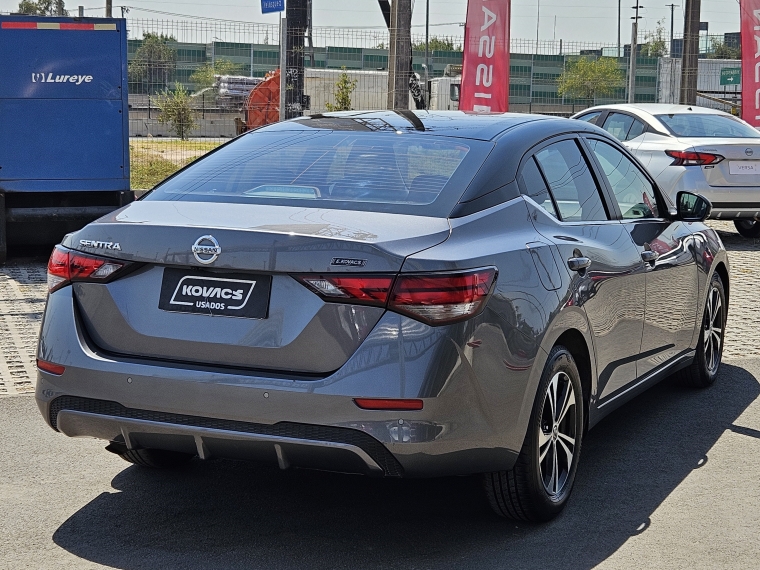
151 160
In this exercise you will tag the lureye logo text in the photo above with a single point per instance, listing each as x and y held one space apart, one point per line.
50 78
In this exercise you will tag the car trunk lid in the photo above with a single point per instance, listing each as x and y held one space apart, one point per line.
741 166
291 329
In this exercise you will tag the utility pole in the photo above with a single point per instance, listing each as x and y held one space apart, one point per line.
109 8
400 54
633 54
296 16
620 15
672 7
690 59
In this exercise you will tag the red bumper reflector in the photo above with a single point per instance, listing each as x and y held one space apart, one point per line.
50 368
388 404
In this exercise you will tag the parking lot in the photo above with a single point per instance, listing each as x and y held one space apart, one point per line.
668 481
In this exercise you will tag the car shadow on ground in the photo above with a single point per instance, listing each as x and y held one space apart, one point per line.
225 514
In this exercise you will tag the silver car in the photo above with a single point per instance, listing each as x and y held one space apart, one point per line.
693 149
395 294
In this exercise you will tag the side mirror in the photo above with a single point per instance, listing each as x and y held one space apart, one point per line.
692 207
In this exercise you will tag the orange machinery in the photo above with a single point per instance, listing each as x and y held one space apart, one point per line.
262 106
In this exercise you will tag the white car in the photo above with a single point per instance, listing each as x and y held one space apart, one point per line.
694 149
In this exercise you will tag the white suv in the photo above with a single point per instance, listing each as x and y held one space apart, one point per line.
694 149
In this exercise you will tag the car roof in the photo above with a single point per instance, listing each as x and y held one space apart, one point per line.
651 109
480 126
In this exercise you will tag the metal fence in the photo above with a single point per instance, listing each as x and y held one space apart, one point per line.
171 56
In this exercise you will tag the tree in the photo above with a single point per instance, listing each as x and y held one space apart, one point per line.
588 78
720 50
344 87
154 63
437 44
655 43
42 7
176 110
204 75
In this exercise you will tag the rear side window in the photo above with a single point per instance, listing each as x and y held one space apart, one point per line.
618 125
633 192
637 129
325 169
571 183
534 186
590 117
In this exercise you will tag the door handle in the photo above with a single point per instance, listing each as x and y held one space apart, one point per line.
649 256
578 263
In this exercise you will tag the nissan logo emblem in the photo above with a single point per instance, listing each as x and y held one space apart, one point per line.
749 152
206 249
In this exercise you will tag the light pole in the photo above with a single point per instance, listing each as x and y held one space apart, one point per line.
427 53
538 20
632 56
619 16
672 7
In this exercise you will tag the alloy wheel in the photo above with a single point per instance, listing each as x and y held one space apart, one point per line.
556 438
712 330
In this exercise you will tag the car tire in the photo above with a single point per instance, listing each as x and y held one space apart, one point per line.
748 228
156 458
703 371
537 488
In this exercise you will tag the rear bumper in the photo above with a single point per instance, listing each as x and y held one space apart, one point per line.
289 444
471 421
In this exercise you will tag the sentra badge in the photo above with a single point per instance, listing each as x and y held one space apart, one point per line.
206 249
100 244
212 293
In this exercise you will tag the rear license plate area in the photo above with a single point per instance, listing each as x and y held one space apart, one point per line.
744 166
241 295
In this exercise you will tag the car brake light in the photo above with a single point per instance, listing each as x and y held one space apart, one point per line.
388 403
50 368
361 289
433 298
67 266
438 298
690 158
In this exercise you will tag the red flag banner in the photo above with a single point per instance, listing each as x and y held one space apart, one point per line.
485 68
750 20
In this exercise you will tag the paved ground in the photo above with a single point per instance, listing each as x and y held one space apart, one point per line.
669 481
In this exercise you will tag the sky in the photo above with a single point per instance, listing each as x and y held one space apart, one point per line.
576 20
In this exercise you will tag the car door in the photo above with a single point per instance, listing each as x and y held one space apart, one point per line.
605 272
667 248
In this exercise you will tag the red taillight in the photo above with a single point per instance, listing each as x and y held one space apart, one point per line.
434 298
439 298
690 158
388 404
363 289
66 266
50 368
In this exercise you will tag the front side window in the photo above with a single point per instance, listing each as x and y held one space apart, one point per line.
570 182
633 192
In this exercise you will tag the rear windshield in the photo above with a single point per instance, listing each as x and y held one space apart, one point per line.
710 126
400 173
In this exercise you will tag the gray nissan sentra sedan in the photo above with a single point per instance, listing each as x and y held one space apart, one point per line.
403 294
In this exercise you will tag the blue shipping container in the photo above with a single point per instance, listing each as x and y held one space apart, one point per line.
64 142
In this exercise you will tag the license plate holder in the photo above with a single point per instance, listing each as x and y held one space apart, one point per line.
744 167
241 295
